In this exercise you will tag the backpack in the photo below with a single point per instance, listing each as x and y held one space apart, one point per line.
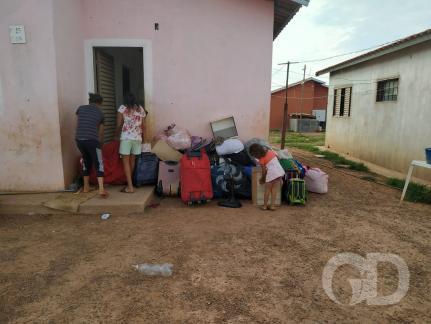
296 193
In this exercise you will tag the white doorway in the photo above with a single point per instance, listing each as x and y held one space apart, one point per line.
115 68
118 71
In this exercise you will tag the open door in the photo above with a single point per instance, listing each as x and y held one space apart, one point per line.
105 86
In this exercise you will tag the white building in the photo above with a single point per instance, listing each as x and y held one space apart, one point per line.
379 106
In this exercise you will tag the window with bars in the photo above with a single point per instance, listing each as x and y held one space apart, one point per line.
387 90
342 102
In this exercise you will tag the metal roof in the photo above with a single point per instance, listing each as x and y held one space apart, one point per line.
284 10
384 50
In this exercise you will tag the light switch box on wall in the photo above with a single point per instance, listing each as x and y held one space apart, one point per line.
17 34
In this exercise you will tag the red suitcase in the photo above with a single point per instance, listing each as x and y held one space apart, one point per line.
195 174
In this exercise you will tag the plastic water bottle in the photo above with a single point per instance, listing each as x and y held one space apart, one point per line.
164 270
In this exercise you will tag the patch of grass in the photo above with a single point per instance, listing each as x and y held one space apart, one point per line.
339 160
415 192
310 142
317 139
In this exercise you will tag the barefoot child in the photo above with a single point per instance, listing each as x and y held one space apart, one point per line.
89 136
272 172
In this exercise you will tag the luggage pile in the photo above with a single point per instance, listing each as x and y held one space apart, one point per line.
198 170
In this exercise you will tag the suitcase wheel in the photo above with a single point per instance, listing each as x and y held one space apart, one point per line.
159 189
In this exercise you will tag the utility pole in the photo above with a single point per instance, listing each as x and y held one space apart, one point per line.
302 98
285 112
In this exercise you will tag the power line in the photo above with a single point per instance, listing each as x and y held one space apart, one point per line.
276 72
344 54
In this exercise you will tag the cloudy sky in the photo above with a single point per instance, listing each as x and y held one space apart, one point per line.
330 27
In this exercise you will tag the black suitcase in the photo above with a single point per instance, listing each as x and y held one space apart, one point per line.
146 170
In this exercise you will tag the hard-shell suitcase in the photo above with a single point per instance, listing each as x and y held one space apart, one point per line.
296 193
169 179
146 168
195 175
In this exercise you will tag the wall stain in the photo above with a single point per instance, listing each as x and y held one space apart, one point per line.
25 135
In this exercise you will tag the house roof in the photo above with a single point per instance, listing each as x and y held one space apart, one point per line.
299 82
284 10
381 51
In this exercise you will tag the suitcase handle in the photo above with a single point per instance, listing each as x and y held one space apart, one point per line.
171 162
191 154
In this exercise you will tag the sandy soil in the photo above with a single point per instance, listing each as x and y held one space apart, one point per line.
234 266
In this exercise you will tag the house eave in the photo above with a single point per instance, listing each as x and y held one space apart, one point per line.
374 54
284 10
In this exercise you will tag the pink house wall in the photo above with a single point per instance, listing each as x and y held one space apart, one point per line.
210 59
30 157
69 50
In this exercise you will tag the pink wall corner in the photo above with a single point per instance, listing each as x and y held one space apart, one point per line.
69 49
211 59
29 122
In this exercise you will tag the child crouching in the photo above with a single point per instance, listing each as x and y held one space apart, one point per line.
272 172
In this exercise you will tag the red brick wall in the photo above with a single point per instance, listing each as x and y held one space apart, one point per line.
321 96
314 97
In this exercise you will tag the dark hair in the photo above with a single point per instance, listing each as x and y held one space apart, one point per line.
258 151
130 101
95 98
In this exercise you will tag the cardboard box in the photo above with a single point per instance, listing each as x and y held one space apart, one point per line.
258 190
166 153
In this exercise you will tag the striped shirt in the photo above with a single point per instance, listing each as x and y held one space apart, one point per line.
89 119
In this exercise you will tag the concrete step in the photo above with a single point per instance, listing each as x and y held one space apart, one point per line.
27 204
117 202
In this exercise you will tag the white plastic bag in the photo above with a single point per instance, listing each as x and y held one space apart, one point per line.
178 138
284 154
230 146
316 180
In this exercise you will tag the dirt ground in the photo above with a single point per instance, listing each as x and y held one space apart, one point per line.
234 266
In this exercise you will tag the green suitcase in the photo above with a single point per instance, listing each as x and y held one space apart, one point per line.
296 193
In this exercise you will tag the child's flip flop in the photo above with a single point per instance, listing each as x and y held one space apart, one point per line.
126 191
